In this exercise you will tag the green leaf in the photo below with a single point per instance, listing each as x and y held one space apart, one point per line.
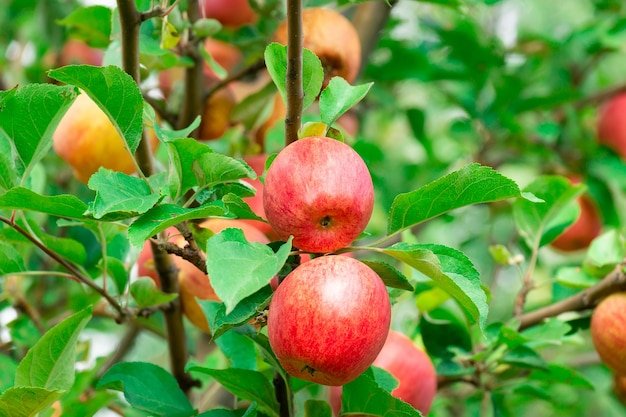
312 72
604 252
115 92
68 248
239 208
8 366
116 269
451 270
390 275
317 408
365 395
251 411
246 309
8 171
542 221
246 384
575 277
214 168
238 268
90 24
561 374
443 333
550 332
117 192
64 205
26 401
338 97
148 387
11 260
49 363
182 153
239 350
524 357
472 184
30 114
163 216
145 292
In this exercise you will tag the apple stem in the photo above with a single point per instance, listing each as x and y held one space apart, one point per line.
295 92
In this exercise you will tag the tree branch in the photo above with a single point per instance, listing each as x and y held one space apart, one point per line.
295 92
586 299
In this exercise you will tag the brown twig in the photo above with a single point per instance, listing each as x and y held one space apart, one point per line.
295 92
586 299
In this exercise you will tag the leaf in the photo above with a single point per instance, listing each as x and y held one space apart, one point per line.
8 171
443 333
8 366
49 363
563 375
390 275
312 72
524 357
163 216
239 350
182 153
365 395
145 292
11 260
317 408
114 91
214 168
338 97
604 253
472 184
246 384
30 114
117 192
541 222
239 208
238 268
246 309
148 387
65 205
90 24
26 401
451 270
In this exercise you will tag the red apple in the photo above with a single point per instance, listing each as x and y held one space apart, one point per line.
230 13
320 191
608 331
216 113
329 319
612 124
587 226
225 54
411 366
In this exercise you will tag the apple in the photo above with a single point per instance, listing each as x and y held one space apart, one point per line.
75 51
230 13
611 124
216 113
411 366
332 38
587 226
225 54
87 140
329 319
319 191
608 331
194 284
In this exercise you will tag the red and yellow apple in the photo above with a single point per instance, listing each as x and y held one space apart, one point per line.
329 319
411 366
333 38
230 13
608 331
611 124
87 140
319 191
216 113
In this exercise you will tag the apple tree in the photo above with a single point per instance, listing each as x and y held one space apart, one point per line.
312 208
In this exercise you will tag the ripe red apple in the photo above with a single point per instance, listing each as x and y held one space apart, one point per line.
612 124
608 331
411 366
320 191
329 319
587 226
332 38
230 13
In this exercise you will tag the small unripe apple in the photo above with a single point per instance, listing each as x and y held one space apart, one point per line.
608 331
319 191
329 319
411 366
87 140
612 124
230 13
332 38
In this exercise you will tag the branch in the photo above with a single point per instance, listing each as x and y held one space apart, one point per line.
584 300
295 92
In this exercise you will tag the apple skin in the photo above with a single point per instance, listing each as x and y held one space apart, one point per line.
230 13
587 226
411 366
332 38
320 191
87 140
216 114
75 51
329 319
608 331
611 124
